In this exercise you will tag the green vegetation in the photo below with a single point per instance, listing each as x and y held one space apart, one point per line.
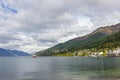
71 45
110 42
97 42
63 54
74 44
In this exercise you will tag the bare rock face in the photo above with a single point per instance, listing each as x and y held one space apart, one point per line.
108 29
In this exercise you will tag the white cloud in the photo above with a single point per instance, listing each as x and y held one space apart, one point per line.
40 24
63 39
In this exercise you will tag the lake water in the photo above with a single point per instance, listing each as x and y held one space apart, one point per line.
59 68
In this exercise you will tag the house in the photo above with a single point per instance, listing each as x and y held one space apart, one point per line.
114 53
117 52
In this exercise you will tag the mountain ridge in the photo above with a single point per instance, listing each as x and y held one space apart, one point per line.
106 30
6 52
80 42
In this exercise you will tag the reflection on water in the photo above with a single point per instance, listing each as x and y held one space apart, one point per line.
59 68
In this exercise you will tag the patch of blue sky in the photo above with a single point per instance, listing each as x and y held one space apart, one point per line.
8 8
3 17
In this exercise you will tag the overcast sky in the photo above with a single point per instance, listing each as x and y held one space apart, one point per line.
33 25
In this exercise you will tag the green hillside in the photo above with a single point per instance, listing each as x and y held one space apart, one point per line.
103 37
72 45
110 42
75 44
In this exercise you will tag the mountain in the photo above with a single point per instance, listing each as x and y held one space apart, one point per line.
84 42
5 52
112 41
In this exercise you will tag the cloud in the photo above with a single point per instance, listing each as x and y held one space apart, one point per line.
36 25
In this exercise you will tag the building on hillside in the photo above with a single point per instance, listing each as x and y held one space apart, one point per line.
114 53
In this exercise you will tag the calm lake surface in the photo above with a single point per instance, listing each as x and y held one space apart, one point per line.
59 68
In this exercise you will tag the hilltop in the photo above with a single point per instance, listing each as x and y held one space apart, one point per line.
103 37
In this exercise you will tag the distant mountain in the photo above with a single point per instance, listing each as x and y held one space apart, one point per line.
83 42
5 52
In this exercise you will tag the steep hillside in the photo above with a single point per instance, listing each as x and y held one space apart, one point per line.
83 42
5 52
110 42
106 30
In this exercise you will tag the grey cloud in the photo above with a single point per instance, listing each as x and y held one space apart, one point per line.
43 23
47 41
7 38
